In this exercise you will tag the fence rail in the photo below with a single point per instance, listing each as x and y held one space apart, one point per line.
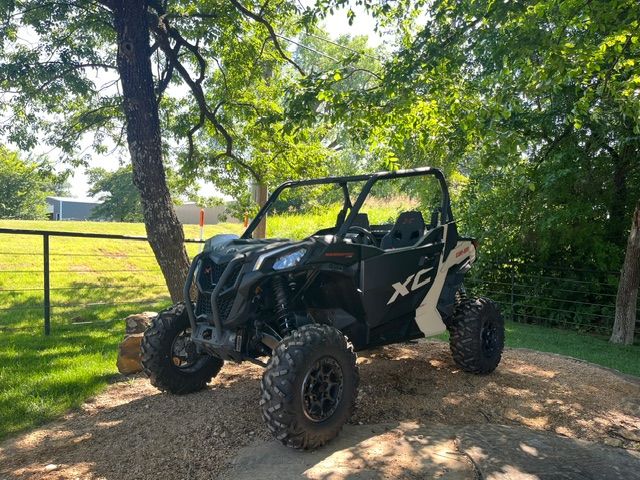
45 275
39 274
576 299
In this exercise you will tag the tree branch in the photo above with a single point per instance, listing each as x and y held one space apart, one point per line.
363 70
190 135
274 37
164 81
195 51
554 143
198 94
72 68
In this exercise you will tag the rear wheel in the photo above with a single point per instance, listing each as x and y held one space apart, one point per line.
476 335
309 387
169 357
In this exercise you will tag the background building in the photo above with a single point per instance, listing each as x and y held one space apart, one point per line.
69 208
189 214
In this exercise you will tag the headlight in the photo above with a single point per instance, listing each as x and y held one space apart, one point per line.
290 259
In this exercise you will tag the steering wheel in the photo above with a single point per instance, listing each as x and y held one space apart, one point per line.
365 232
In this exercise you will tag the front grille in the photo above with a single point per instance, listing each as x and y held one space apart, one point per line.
216 272
225 302
203 305
224 306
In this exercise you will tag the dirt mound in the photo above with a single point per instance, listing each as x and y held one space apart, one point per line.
132 431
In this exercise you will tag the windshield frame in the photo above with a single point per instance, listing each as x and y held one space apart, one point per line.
346 220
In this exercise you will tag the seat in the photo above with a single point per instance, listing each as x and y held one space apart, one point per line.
408 229
361 220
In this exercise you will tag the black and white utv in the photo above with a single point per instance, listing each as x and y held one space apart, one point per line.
308 305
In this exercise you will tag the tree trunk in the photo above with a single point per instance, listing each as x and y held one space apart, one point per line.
627 297
164 230
620 201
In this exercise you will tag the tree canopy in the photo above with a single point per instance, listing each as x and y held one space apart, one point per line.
121 199
195 84
24 185
533 108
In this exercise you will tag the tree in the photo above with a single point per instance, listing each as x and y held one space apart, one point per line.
25 184
532 107
122 199
341 73
536 104
54 88
627 297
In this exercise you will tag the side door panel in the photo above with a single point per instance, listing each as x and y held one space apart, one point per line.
395 282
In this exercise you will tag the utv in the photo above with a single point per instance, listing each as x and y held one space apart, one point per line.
308 305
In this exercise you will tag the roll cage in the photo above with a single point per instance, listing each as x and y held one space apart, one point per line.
349 211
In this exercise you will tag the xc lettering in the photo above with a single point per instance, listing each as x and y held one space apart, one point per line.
401 289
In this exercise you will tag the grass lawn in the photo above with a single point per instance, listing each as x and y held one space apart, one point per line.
96 283
595 349
42 377
592 348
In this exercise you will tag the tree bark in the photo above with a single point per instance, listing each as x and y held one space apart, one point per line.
164 230
627 297
620 197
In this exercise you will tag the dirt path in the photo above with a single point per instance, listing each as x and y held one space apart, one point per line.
132 431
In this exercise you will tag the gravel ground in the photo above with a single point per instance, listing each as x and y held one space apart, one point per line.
133 432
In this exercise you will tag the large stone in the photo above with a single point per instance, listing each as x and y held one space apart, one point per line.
365 452
129 354
139 322
502 452
409 450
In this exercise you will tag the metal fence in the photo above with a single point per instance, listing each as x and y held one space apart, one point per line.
44 276
46 279
579 299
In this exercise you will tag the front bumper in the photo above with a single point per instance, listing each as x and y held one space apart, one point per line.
213 306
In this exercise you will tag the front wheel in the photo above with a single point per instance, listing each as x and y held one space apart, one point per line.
309 387
476 335
169 357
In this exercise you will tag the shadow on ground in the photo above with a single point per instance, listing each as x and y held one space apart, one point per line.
436 422
411 451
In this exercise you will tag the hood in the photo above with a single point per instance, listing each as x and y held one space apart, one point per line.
225 246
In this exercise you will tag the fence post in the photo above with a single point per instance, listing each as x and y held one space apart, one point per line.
513 307
47 296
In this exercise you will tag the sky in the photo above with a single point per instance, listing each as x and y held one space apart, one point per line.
335 25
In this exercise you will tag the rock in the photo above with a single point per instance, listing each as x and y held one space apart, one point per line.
129 354
613 442
51 467
633 435
138 322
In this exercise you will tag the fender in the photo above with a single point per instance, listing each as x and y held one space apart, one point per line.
428 318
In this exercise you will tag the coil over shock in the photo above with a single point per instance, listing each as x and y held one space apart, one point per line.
283 315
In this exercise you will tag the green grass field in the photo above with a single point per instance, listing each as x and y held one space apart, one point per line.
96 283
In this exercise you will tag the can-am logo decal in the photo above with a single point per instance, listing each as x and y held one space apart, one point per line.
400 289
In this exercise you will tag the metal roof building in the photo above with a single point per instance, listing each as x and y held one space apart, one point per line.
69 208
